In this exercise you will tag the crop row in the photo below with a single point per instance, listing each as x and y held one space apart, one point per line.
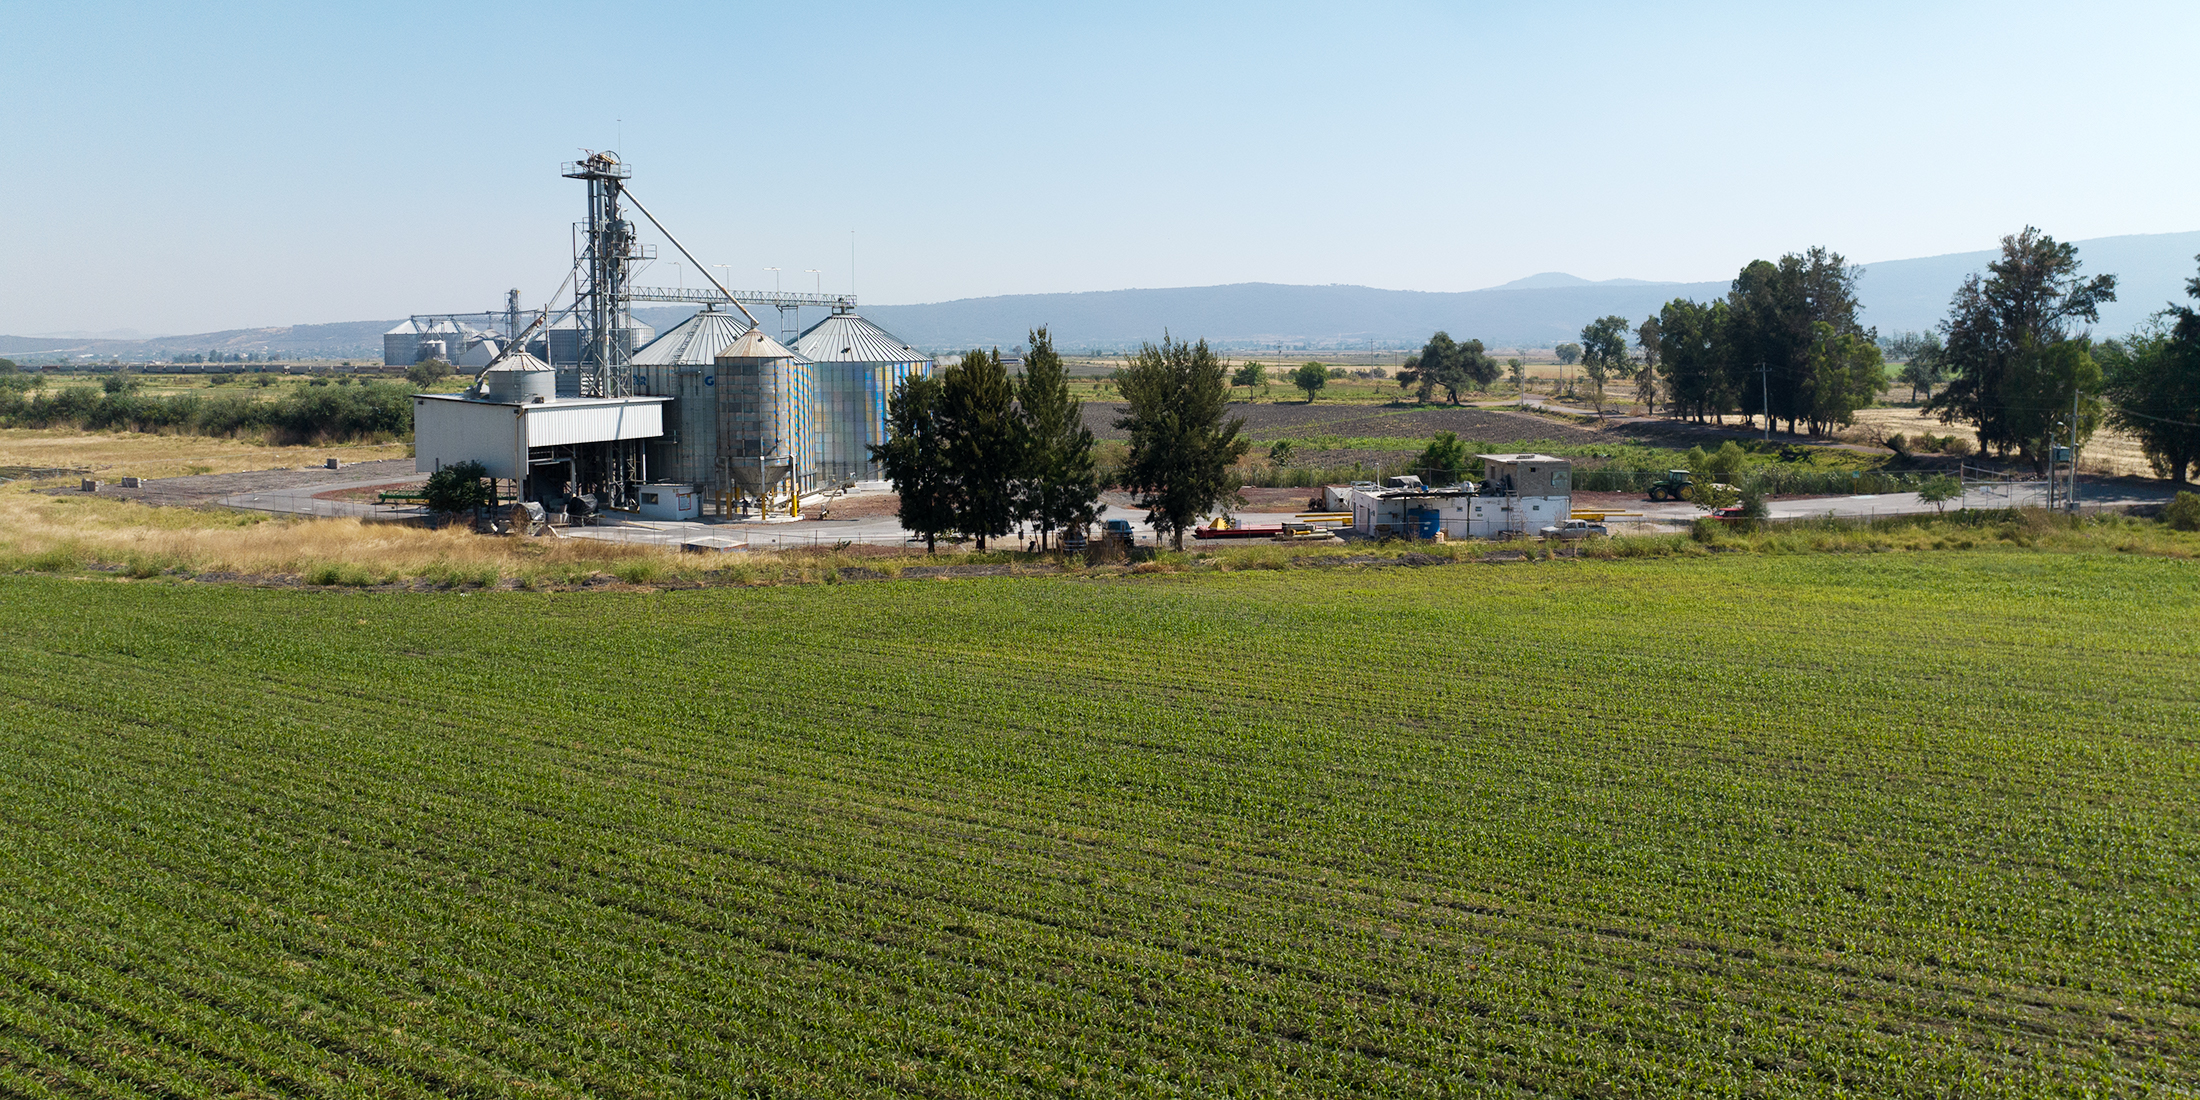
1408 834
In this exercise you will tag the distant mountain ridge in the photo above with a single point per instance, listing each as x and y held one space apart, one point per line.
1537 311
1550 279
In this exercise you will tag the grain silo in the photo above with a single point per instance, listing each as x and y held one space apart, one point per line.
401 345
763 446
856 367
682 365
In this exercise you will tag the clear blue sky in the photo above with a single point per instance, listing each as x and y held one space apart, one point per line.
181 168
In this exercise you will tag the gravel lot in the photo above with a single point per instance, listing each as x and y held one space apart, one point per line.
205 489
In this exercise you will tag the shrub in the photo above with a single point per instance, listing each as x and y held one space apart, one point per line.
2183 513
459 487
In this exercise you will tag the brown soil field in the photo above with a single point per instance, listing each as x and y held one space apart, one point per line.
1292 421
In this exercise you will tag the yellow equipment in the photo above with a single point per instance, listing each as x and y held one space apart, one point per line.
1599 517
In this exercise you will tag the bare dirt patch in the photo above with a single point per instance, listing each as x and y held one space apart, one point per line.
203 489
869 506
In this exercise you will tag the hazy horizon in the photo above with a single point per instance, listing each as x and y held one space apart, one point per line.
195 169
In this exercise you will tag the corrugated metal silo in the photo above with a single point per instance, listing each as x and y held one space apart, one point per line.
401 345
858 364
681 364
765 396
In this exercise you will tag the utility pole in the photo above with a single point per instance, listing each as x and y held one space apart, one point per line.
1765 373
2050 468
2073 494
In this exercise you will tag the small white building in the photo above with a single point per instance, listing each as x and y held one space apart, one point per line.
1518 495
666 500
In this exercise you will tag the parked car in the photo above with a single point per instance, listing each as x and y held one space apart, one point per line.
1574 529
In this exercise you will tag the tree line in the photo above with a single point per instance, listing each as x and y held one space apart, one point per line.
318 411
977 451
2013 359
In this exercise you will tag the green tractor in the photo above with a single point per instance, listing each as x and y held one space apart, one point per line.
1673 486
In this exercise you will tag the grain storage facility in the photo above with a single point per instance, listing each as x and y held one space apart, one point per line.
714 411
857 366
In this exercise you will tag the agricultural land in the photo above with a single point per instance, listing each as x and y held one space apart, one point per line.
1725 824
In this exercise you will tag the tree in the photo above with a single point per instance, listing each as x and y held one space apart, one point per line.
427 372
1604 353
1517 370
1310 377
914 459
1452 366
7 366
1249 375
984 447
1181 449
1568 355
1773 350
1445 461
1843 373
2001 336
2153 380
458 487
1919 354
1646 371
1061 487
1938 490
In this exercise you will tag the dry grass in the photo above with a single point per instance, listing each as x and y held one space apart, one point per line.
142 454
2109 451
44 532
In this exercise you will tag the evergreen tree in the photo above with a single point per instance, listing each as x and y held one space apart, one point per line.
1645 375
2000 342
1061 487
1604 353
984 447
1249 375
2153 376
1181 449
914 459
1447 364
1310 377
1773 313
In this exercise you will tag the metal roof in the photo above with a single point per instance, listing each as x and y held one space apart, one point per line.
847 338
697 340
753 344
519 362
405 328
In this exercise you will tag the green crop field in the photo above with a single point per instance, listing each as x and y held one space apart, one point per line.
1863 825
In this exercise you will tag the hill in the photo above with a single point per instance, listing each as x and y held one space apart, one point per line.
1536 311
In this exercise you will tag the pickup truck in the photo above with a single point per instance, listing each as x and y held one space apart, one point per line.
1574 529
